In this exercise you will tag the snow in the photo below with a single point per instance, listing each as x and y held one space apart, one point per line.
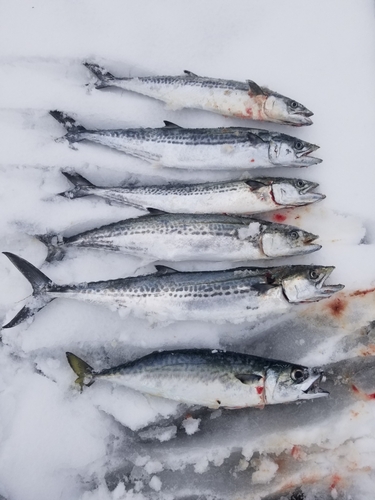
116 444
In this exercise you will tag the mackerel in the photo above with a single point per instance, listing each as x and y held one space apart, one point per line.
180 237
226 97
218 296
198 148
210 378
250 196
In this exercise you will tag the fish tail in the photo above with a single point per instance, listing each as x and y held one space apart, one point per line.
54 244
104 77
73 128
40 284
85 373
80 184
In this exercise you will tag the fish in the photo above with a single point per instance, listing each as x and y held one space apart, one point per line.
198 148
226 97
211 378
244 197
235 295
181 237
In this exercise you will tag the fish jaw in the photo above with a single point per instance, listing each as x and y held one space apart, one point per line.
289 151
285 111
309 286
288 195
286 241
283 387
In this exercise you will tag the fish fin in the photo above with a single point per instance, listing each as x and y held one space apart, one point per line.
165 269
255 138
67 121
248 378
54 244
168 124
254 184
156 211
263 288
79 183
40 284
104 77
85 373
254 88
190 73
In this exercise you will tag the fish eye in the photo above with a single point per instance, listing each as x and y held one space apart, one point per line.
314 275
301 183
294 104
298 145
294 235
298 375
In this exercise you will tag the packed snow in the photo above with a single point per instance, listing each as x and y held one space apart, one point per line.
112 443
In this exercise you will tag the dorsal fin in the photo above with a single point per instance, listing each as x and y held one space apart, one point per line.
165 269
168 124
248 378
255 138
190 73
254 88
156 211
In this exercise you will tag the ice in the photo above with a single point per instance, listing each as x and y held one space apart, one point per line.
110 443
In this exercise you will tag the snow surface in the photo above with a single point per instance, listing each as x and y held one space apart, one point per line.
112 443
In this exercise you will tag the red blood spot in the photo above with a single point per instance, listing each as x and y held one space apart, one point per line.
279 218
337 306
355 389
371 396
259 390
249 112
362 292
335 479
296 452
252 161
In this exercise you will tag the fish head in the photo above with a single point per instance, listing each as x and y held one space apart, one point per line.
281 109
279 240
288 151
295 192
307 284
286 382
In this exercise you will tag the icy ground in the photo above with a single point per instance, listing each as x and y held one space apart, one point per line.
114 444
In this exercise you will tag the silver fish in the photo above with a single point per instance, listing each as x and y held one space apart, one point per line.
210 378
226 97
179 237
250 196
235 295
194 148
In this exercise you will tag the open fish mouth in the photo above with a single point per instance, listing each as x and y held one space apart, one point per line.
323 291
311 387
307 194
308 244
302 117
308 150
303 156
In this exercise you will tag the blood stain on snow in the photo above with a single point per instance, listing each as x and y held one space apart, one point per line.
296 452
335 479
360 293
337 306
259 390
279 217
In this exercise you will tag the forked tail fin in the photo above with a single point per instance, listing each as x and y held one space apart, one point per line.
40 283
85 373
54 244
74 130
80 184
105 78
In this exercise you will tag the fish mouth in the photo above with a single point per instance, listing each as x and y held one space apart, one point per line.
301 118
323 291
308 246
307 196
311 387
304 159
